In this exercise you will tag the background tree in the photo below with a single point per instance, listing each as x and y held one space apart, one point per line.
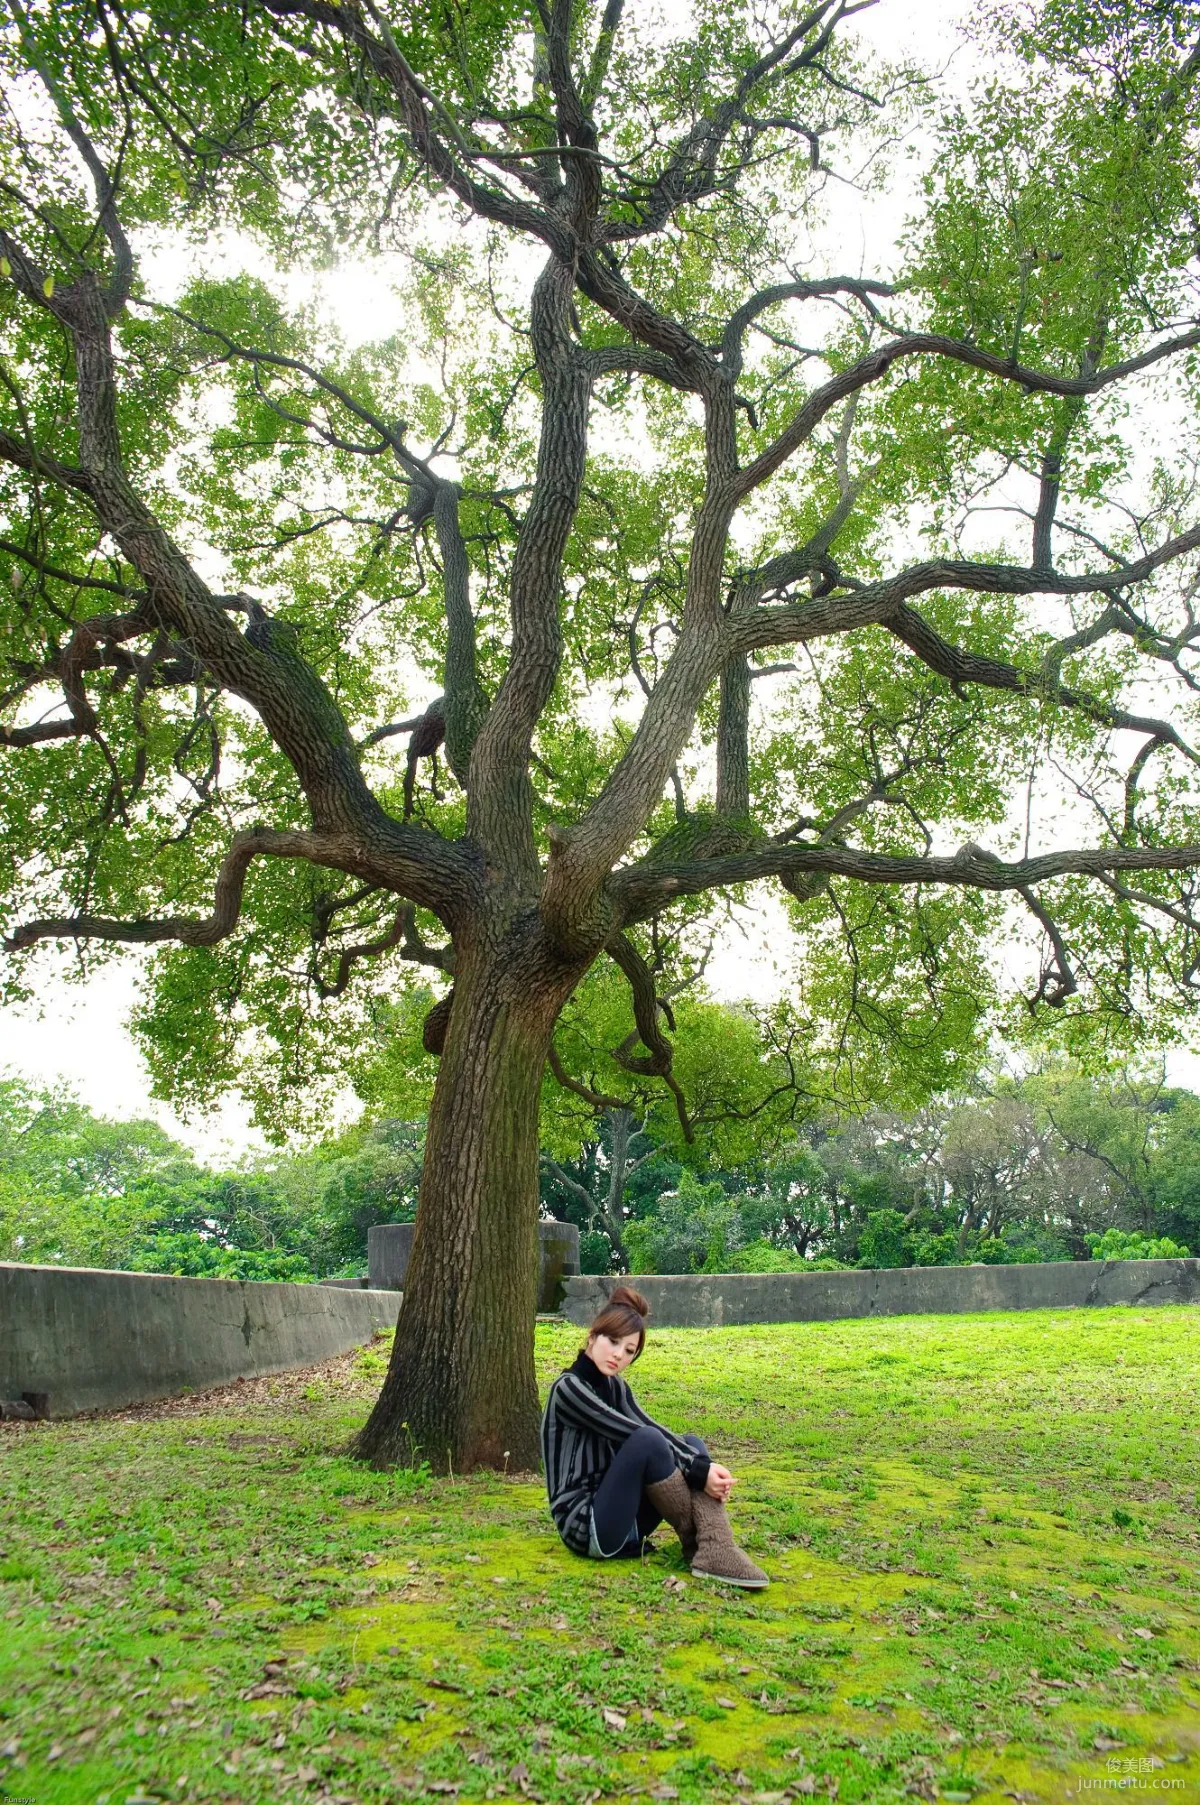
79 1190
590 1189
734 1085
763 626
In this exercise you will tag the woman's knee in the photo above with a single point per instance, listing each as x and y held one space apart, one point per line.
651 1447
693 1441
647 1440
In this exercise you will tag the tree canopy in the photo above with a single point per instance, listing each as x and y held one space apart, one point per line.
677 558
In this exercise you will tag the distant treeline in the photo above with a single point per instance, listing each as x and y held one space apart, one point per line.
1056 1166
78 1190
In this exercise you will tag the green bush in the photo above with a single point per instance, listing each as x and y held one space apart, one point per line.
695 1228
595 1251
936 1250
885 1241
191 1256
760 1256
1115 1244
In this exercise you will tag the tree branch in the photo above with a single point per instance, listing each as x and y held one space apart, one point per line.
70 577
599 1100
117 292
39 463
255 842
646 1006
578 1191
959 667
638 360
690 174
264 665
389 732
500 796
820 289
1057 981
402 934
870 604
428 124
466 700
41 731
639 891
876 364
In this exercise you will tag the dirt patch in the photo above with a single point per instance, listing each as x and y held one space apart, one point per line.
343 1376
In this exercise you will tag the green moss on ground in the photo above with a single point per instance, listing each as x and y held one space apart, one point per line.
983 1534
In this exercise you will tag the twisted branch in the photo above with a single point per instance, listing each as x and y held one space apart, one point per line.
189 930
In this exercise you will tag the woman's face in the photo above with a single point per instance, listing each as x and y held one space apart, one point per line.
613 1356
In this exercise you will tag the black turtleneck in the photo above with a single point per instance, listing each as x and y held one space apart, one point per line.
604 1385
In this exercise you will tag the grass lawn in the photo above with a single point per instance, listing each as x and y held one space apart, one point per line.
982 1531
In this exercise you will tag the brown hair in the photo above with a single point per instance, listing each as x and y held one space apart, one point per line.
624 1314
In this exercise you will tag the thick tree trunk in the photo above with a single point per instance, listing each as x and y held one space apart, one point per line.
460 1391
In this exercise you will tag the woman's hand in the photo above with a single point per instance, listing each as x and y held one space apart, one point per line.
719 1482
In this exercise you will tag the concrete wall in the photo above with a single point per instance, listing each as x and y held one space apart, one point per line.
98 1340
714 1300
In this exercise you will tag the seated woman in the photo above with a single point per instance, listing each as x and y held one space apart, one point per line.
613 1473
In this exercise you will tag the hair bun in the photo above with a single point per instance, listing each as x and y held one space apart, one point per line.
631 1299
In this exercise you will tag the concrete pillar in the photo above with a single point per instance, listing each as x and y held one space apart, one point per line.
389 1247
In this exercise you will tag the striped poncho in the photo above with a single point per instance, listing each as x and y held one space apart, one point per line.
588 1415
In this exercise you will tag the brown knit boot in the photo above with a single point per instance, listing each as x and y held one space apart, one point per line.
717 1554
673 1499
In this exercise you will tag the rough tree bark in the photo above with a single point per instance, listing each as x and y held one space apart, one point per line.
460 1389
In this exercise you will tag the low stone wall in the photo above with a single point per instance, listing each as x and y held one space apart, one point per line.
94 1340
716 1300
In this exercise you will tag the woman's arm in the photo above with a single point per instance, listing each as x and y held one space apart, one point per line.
579 1404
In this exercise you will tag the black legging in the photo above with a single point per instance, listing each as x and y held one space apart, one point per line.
621 1500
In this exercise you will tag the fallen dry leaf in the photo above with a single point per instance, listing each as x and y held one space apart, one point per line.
614 1719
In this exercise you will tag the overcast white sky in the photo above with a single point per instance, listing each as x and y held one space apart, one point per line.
80 1033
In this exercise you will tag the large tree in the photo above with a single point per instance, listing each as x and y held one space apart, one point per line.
733 567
